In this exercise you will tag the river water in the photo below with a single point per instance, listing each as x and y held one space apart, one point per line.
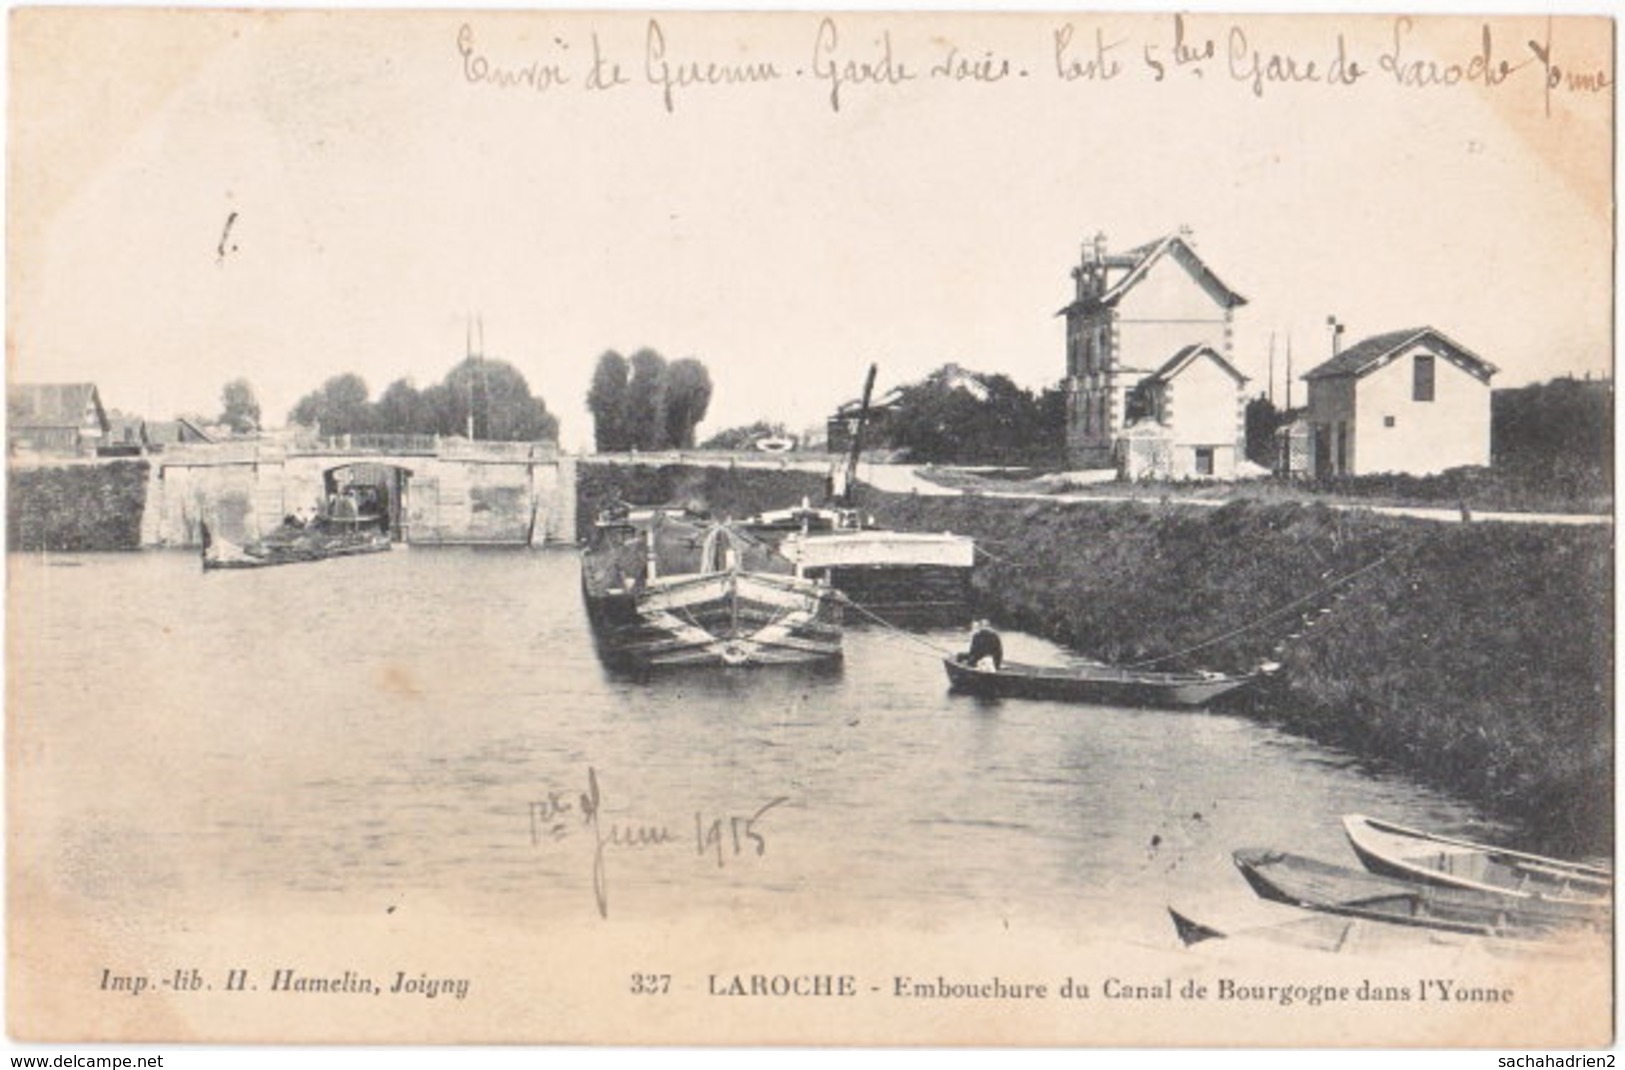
420 727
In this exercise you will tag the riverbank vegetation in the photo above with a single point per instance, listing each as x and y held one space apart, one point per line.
723 493
1477 657
76 508
1474 657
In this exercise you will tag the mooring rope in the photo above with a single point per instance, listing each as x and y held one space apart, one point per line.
991 556
884 623
1288 608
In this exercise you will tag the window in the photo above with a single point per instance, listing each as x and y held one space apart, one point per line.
1422 378
1387 421
1204 460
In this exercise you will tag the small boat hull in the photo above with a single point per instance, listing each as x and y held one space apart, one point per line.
1103 684
1304 882
221 553
1409 854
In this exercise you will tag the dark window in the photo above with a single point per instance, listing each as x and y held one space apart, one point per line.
1387 421
1422 381
1204 460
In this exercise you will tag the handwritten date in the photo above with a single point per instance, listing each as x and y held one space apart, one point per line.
724 837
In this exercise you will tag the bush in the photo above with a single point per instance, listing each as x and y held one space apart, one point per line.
78 508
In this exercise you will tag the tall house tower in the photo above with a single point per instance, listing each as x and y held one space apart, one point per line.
1131 312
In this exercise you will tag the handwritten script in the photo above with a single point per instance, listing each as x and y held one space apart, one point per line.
722 837
840 64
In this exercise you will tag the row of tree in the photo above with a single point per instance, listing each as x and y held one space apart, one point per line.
483 398
644 403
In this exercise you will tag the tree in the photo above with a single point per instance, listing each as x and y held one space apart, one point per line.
498 397
338 408
688 395
402 410
607 400
958 417
240 409
1263 419
493 391
646 401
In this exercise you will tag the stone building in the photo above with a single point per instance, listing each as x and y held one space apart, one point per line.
1146 326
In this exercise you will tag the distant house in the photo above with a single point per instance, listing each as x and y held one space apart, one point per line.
1195 405
161 433
1410 401
840 427
54 419
132 436
126 436
1141 322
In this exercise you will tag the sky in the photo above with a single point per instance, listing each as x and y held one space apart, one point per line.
198 196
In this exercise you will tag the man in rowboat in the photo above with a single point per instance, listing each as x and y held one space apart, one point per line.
985 644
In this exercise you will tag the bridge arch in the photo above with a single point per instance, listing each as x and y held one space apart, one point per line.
381 485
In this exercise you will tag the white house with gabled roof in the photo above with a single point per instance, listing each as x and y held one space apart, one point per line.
1411 401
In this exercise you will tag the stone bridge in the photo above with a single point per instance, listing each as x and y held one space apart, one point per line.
438 491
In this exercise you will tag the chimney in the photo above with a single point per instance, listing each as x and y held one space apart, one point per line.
1091 273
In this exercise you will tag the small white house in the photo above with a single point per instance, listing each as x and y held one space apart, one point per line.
1197 407
1411 401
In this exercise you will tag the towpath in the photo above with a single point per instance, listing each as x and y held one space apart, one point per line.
906 479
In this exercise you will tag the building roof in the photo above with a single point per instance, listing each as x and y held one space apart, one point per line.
1140 260
1367 355
1182 359
126 429
170 432
37 405
888 400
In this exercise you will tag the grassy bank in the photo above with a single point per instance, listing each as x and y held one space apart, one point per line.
1474 657
722 492
1509 489
76 508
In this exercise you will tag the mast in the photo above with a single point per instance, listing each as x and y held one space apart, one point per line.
1270 390
468 352
857 435
477 359
1289 372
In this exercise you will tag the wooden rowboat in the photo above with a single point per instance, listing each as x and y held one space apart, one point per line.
1104 684
1408 854
1304 882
